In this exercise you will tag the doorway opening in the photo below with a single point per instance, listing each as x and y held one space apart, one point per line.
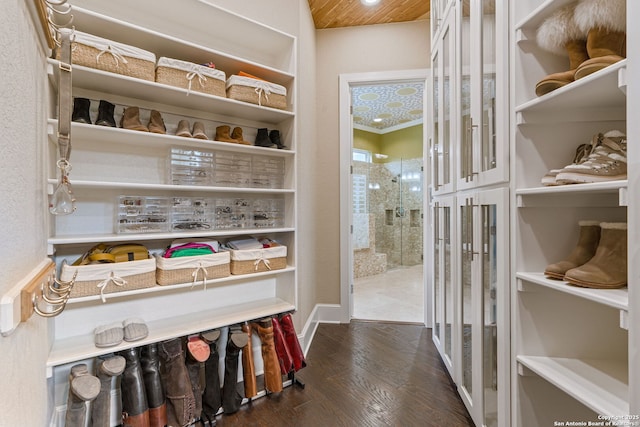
384 140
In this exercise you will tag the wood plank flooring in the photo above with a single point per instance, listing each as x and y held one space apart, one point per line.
363 374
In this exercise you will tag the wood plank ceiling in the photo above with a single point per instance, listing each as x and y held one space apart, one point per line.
349 13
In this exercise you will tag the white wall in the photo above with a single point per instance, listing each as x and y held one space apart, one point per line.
386 47
23 394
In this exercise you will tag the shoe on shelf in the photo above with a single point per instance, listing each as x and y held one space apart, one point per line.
108 335
134 329
274 136
81 110
262 138
606 162
585 250
105 114
156 124
223 134
237 135
198 131
183 129
583 150
131 120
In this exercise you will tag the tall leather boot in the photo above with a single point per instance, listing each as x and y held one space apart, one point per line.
197 353
105 114
231 398
583 252
212 398
131 120
83 387
81 110
181 404
605 21
237 135
608 267
272 373
150 363
248 367
223 134
135 409
293 344
262 138
284 356
107 367
560 35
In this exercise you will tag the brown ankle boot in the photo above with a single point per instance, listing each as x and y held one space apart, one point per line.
198 131
131 120
237 135
222 134
583 252
248 367
156 124
183 129
272 373
608 267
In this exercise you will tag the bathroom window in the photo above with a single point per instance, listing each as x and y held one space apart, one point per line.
361 155
359 194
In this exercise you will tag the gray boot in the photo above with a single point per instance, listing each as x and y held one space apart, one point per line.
107 367
82 388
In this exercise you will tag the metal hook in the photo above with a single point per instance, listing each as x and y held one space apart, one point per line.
54 301
62 286
53 3
53 313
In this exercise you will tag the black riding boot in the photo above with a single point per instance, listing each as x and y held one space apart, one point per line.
135 409
150 362
231 398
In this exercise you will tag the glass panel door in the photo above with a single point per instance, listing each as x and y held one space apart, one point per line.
437 251
466 306
489 312
488 152
448 283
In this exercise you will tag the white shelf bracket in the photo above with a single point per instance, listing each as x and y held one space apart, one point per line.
623 197
523 371
624 319
622 79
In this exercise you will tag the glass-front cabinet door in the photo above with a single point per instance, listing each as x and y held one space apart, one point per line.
483 97
443 97
483 301
443 269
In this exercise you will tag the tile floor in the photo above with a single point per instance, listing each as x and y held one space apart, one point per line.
397 295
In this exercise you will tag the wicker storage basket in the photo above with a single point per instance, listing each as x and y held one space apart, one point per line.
256 260
190 76
256 91
103 54
101 279
195 269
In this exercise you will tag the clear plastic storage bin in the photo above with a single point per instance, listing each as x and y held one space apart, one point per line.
191 167
192 213
141 214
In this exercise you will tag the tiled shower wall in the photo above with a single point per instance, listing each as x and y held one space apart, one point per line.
394 198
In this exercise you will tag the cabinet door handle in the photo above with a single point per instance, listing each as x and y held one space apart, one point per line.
469 154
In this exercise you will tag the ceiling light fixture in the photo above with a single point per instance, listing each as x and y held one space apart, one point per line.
377 120
370 2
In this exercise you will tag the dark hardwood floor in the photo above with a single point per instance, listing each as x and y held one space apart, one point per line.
363 374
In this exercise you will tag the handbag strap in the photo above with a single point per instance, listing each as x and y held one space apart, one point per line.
64 95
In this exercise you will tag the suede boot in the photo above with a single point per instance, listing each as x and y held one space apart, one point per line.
293 344
82 388
135 409
560 35
107 367
262 138
150 363
212 398
81 110
583 252
183 129
274 136
181 404
156 124
222 134
608 267
284 356
197 353
231 398
237 135
248 367
131 120
198 131
105 114
605 23
272 373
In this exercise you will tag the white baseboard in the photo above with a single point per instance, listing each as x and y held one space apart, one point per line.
321 313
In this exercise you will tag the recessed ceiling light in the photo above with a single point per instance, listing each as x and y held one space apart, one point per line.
370 2
377 120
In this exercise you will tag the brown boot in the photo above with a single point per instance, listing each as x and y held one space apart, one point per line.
156 124
183 129
272 373
181 404
198 131
248 367
222 134
237 135
583 252
559 34
608 267
605 23
131 120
